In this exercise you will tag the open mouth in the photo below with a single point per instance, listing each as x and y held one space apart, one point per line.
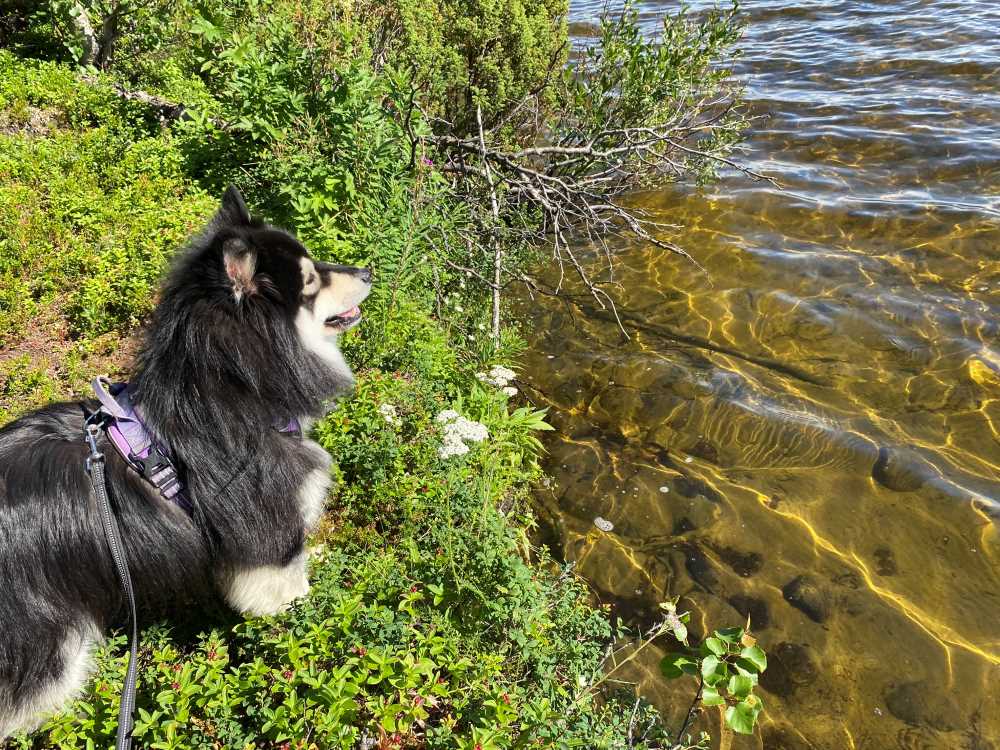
344 321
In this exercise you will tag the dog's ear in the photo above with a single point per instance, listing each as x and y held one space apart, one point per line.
233 212
241 264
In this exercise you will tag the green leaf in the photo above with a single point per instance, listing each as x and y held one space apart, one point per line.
710 697
713 670
680 632
674 665
729 635
740 685
741 717
756 656
714 646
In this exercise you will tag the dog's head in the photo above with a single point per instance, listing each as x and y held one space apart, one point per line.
246 329
269 271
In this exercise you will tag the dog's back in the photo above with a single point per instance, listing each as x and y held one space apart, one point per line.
46 554
60 589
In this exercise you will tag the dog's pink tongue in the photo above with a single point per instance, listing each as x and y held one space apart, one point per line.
354 311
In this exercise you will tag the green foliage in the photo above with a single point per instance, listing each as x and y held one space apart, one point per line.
73 161
631 80
728 664
489 54
23 386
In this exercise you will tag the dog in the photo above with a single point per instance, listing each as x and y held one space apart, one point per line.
242 344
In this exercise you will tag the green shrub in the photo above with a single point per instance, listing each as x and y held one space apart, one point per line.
489 54
23 386
64 191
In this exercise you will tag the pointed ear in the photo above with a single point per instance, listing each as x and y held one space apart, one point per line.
241 264
233 211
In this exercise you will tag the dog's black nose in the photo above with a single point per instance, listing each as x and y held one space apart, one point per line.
366 275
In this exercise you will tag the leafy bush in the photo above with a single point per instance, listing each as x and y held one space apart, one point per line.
65 184
489 54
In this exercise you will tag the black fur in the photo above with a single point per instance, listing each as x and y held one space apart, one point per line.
217 372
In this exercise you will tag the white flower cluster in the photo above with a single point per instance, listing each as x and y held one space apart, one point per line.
389 413
457 430
499 377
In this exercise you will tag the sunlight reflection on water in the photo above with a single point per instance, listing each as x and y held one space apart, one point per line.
835 378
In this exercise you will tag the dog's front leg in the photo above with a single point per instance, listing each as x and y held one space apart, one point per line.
266 589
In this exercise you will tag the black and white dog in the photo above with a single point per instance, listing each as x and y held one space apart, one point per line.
241 345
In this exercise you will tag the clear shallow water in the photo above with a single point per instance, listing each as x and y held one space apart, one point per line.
810 432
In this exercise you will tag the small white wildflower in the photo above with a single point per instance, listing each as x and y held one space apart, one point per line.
389 413
498 376
509 390
689 459
452 447
457 431
502 373
458 308
466 429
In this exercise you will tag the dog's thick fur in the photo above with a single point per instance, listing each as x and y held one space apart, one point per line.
242 341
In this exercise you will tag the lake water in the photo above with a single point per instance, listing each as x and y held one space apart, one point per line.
809 433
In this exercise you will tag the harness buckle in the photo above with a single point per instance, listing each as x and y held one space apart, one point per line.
158 470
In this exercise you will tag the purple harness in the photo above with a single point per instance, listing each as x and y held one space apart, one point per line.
122 422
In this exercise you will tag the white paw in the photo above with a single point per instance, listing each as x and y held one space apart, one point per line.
267 589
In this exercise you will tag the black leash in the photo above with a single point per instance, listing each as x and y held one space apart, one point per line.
95 468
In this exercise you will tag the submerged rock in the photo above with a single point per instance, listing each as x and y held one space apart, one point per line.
699 567
789 668
603 524
755 609
919 703
805 594
744 564
897 471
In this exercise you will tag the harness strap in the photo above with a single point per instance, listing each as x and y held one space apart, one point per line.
95 468
126 431
123 424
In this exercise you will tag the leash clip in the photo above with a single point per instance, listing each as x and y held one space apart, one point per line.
91 430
